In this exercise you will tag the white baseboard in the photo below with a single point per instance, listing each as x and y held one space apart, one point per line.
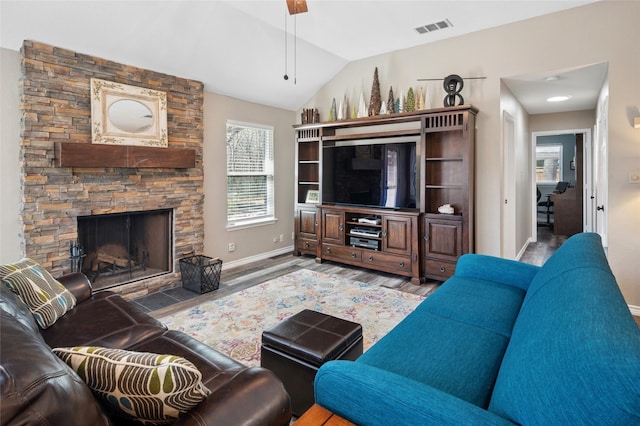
635 310
261 256
524 248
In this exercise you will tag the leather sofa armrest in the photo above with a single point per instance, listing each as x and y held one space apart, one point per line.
78 284
254 397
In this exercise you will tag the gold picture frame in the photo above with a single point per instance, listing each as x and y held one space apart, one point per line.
128 115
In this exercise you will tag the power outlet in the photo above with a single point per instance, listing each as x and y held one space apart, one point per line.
281 238
232 247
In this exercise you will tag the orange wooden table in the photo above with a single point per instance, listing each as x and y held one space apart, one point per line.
317 415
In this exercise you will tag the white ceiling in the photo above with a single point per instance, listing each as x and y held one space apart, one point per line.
237 48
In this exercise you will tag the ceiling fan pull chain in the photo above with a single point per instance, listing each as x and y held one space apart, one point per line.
286 35
295 49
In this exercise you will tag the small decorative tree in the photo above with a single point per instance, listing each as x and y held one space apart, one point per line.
376 102
411 101
391 102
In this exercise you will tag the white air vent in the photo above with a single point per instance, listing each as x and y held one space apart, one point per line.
433 27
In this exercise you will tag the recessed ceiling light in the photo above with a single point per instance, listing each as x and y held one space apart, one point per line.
558 98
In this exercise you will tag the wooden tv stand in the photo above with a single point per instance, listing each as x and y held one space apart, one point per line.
380 239
421 244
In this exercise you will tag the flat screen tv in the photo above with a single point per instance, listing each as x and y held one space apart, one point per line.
370 173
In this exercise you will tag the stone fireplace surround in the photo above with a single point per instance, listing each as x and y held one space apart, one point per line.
56 107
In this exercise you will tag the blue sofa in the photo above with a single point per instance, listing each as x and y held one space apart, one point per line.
502 343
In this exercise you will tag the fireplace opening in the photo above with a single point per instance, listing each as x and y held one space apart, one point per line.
125 247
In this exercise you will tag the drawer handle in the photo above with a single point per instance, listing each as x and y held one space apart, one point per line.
353 254
341 228
402 264
442 269
370 258
306 244
328 250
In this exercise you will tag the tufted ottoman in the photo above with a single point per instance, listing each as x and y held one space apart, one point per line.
295 348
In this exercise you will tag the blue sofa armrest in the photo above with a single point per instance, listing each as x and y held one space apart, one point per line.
367 395
496 269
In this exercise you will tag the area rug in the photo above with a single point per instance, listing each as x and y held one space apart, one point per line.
233 325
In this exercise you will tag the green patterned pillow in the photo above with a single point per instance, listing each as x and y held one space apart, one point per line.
150 388
46 298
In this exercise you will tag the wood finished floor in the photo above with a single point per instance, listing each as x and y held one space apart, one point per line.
240 278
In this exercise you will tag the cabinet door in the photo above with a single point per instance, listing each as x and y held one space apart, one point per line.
332 227
307 223
443 238
396 234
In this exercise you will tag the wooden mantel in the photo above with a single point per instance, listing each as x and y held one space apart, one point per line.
93 155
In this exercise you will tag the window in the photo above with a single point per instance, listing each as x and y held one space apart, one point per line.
548 164
249 174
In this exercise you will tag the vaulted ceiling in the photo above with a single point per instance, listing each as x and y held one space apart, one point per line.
237 48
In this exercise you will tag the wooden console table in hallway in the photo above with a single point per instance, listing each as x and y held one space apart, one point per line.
567 212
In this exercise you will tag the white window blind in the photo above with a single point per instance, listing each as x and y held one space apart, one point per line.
548 163
249 173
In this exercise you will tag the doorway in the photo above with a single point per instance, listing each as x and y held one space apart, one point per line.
563 156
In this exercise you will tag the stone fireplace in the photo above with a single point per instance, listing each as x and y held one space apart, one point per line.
121 248
56 109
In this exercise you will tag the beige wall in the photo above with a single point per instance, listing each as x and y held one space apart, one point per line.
257 241
576 37
9 152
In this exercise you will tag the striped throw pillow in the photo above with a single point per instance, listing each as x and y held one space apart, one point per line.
149 388
46 298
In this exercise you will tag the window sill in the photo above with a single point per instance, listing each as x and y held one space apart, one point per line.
236 226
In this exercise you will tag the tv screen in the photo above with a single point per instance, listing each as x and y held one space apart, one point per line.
370 174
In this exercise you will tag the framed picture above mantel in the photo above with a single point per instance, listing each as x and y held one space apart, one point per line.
128 115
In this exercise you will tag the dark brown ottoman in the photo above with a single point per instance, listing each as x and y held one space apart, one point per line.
295 348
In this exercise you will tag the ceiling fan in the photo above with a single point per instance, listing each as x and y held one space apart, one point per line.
297 6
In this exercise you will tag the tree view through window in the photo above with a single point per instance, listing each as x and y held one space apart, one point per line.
249 173
548 163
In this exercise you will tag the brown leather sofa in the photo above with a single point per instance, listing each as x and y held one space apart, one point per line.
36 387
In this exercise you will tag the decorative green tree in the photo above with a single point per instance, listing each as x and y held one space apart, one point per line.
410 105
376 102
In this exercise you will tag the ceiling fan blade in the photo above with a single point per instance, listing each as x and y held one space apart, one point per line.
297 6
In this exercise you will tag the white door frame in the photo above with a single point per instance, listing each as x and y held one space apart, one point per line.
588 203
507 199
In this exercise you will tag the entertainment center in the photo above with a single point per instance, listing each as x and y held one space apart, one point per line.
368 191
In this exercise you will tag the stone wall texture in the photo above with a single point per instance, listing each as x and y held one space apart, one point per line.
56 107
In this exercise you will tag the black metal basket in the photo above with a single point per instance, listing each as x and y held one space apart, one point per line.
200 273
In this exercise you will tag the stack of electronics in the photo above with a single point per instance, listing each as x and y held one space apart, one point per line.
365 242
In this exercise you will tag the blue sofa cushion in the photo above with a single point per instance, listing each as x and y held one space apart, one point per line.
460 343
487 304
574 355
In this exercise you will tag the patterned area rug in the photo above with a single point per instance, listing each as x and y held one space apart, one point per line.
233 325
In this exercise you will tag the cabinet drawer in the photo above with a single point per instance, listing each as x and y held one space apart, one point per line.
387 262
307 246
341 253
439 269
